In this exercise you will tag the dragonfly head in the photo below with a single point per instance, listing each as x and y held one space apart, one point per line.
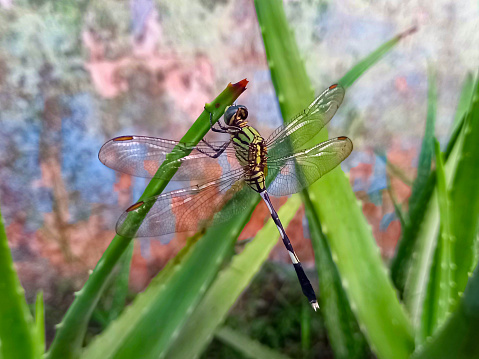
235 115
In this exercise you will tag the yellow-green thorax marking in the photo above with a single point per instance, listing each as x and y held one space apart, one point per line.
249 146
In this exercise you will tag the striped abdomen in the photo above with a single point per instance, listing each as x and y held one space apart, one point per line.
251 154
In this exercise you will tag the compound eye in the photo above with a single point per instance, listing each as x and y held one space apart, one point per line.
242 112
229 114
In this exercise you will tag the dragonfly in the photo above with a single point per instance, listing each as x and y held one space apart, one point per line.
228 173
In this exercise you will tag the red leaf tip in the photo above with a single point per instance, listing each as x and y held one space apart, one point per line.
241 84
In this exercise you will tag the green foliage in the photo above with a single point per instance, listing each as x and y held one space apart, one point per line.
450 225
40 323
343 329
185 305
153 322
421 192
427 148
229 285
464 99
440 287
246 346
18 337
457 338
464 194
351 243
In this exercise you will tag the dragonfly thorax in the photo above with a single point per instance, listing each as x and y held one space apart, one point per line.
251 152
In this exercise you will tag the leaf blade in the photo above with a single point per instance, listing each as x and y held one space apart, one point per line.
248 347
230 283
437 302
17 334
294 92
465 199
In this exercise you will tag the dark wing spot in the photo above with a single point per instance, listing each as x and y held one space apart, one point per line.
135 206
123 138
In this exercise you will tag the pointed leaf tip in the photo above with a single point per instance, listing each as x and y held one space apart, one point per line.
408 32
240 85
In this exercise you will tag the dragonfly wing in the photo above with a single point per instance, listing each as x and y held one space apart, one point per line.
302 169
183 210
304 126
141 156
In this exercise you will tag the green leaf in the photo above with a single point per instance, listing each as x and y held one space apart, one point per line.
17 332
427 147
70 332
427 233
149 326
248 347
397 206
229 285
458 338
438 298
365 64
464 247
40 322
344 335
120 285
465 98
305 328
395 171
421 191
465 199
376 306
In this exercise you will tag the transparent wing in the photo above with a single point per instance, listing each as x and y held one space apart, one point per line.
286 139
187 209
300 170
141 156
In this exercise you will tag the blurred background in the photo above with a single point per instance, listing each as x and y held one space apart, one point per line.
74 74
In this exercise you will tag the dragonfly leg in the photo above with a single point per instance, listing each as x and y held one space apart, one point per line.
308 290
218 151
222 128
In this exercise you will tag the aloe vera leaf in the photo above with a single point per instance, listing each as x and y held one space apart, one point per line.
421 190
395 171
70 332
377 309
248 347
465 98
397 206
465 199
427 147
17 332
344 334
229 285
437 302
40 322
120 285
420 268
305 328
427 233
365 64
149 326
458 338
402 261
